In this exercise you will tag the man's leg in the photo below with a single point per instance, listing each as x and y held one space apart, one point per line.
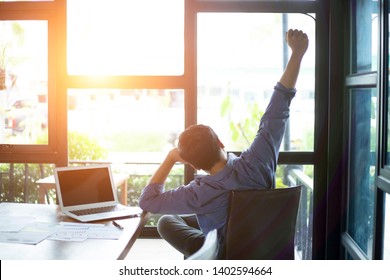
182 232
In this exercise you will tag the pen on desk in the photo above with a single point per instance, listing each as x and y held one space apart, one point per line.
117 225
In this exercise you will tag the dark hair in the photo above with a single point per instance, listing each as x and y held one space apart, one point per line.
199 145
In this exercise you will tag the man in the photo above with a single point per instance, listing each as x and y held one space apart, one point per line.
203 203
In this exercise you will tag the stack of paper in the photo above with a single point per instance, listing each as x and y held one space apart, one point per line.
81 232
26 230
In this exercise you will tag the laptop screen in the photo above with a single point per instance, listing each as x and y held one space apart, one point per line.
85 186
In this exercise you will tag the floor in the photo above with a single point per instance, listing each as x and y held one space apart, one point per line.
153 249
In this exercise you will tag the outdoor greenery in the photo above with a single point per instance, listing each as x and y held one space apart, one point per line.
243 131
84 147
18 180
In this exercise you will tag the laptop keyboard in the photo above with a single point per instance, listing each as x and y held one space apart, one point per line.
97 210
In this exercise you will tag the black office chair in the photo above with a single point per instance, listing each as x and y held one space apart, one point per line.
261 224
209 249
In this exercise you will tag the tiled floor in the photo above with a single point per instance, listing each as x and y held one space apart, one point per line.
153 249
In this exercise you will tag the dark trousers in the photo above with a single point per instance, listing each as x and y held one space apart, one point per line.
182 232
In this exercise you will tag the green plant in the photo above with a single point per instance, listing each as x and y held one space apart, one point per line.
84 147
243 131
18 181
81 147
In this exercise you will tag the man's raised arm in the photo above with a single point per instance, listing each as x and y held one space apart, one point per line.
298 42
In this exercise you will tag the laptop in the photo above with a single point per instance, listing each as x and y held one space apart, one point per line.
88 193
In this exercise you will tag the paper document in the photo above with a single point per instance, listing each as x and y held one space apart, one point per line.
25 230
14 223
81 232
30 234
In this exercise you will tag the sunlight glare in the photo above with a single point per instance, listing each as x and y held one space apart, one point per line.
126 37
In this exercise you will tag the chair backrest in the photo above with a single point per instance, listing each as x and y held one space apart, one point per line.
261 224
209 249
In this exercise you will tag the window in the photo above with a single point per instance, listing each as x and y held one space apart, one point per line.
362 167
238 69
127 121
365 52
126 37
368 187
131 128
23 82
295 175
363 107
236 73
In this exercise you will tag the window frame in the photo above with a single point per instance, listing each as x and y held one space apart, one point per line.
36 11
379 80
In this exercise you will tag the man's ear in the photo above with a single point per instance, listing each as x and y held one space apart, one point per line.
221 144
194 167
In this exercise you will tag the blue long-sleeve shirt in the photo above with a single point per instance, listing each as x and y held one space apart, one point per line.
207 196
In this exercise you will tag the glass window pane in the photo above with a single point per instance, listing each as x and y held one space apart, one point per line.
132 128
362 167
238 69
125 37
386 246
126 122
23 82
365 36
294 175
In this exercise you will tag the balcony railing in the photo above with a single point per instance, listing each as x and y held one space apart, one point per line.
304 230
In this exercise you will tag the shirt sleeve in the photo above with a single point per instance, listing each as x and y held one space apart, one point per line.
260 159
182 200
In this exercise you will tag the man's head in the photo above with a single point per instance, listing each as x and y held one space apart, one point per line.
199 146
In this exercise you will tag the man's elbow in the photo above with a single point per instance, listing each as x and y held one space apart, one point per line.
147 205
142 203
149 199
